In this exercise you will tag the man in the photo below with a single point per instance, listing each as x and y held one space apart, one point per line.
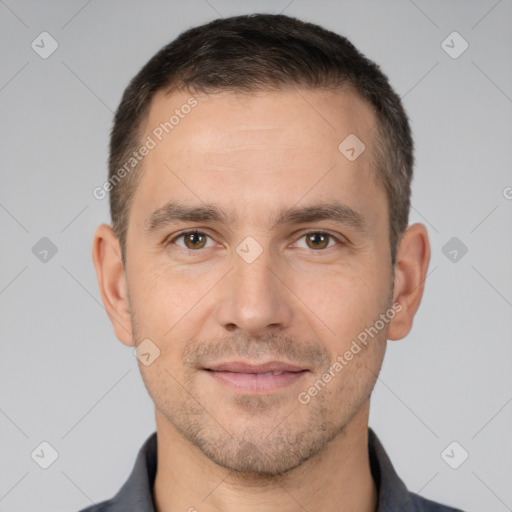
259 260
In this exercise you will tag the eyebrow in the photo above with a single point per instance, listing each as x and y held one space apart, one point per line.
174 212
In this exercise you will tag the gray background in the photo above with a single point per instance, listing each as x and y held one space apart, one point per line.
64 377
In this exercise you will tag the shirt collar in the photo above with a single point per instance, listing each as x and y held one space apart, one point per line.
137 492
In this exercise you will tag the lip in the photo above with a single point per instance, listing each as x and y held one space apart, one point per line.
243 367
256 378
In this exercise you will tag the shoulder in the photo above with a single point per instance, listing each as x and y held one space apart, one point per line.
421 504
104 506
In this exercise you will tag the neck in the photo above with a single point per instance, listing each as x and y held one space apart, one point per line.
337 479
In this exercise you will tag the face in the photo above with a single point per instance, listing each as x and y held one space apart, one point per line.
249 285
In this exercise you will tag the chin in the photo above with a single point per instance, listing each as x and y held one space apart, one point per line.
263 453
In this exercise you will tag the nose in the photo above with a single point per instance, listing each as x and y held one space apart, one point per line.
254 298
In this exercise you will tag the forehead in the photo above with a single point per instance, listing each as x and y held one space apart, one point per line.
256 152
309 119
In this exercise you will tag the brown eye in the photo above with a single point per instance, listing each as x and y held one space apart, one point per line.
195 240
192 240
317 240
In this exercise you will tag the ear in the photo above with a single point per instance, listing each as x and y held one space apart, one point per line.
412 261
107 257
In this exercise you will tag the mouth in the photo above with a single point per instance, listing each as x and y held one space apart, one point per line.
259 378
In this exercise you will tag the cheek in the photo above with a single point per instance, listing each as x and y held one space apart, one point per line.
158 299
345 300
168 305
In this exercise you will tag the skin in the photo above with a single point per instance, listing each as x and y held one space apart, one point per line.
223 449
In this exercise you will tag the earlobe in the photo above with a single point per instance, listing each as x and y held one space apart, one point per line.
412 261
106 255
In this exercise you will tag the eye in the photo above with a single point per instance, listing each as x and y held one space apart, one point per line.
318 240
192 240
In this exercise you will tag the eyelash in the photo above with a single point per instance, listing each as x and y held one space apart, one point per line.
197 232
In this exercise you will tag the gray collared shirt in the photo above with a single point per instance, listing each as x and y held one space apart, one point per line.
137 492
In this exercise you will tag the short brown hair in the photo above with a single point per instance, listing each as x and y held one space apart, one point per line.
264 52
